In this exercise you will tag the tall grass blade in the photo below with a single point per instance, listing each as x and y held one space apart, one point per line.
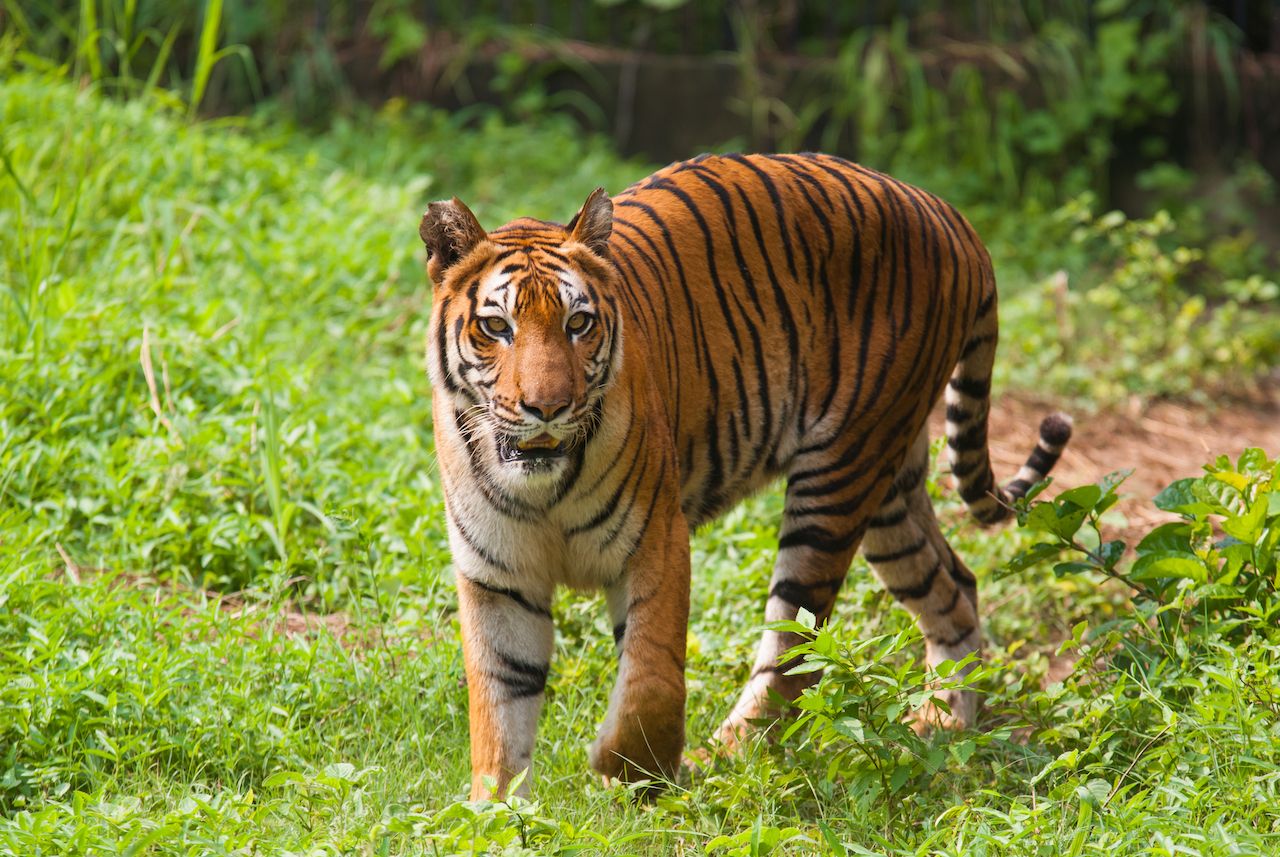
13 174
162 60
89 34
271 471
208 53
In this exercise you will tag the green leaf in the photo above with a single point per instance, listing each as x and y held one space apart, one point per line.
961 751
1094 792
1043 518
1084 497
1114 480
1176 496
851 727
1154 566
1069 523
1110 553
1225 498
1037 553
1064 569
1174 536
1253 460
1247 527
833 842
899 778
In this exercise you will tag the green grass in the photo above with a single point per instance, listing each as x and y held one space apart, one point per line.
210 357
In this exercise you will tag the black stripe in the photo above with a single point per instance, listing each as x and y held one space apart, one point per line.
959 573
611 505
975 491
1041 461
962 469
973 437
919 590
975 342
890 519
819 539
1018 488
619 631
442 347
988 302
518 597
974 388
949 641
805 594
522 678
957 414
480 550
952 604
894 556
909 478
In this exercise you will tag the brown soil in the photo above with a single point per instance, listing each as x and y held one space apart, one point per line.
1160 441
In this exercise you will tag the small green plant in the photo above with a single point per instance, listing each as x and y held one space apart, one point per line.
856 721
1166 696
1218 564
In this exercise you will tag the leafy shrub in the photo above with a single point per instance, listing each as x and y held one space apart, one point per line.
1134 319
854 721
1174 699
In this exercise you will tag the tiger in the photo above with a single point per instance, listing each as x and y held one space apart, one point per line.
602 388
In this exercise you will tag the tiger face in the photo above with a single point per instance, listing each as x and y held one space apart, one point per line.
525 337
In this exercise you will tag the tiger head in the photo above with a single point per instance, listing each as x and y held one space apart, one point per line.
525 335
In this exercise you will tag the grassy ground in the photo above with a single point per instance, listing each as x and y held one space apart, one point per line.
210 354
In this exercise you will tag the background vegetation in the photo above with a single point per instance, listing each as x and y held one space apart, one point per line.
226 622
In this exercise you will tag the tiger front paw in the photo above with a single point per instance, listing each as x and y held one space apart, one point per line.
963 714
636 746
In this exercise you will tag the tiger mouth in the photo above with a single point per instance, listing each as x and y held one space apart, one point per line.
542 449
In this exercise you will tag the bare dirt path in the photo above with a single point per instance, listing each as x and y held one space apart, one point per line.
1161 441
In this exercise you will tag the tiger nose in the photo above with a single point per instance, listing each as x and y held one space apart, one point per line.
545 410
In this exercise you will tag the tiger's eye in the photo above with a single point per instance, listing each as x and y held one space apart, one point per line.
578 322
494 326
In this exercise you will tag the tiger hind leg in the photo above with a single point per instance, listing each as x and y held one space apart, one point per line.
819 535
908 552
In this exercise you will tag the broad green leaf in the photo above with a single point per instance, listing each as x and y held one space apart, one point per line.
1169 565
1177 495
850 727
961 751
1042 518
899 778
1253 460
1069 521
1224 496
1084 497
1237 481
1114 480
1247 527
1174 536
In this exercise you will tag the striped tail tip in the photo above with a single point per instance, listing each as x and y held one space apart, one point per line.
1055 431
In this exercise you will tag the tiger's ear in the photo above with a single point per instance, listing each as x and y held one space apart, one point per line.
594 223
450 231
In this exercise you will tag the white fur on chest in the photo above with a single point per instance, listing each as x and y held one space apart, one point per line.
550 547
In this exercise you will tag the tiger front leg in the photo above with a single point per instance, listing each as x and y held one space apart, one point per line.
507 635
642 736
